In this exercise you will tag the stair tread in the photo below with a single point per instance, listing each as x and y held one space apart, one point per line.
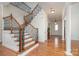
30 43
26 34
27 37
24 39
18 36
27 42
26 48
15 36
15 32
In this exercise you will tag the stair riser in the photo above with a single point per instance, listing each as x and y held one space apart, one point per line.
27 40
27 36
26 45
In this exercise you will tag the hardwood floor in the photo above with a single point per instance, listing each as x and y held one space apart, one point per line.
53 47
75 47
6 52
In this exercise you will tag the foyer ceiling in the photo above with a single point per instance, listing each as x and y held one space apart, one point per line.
24 6
57 6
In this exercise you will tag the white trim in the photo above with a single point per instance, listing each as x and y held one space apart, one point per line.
68 53
27 51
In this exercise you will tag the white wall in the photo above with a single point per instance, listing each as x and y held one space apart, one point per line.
75 22
17 13
9 42
72 16
41 22
52 28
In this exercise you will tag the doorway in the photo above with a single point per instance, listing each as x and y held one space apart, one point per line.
55 35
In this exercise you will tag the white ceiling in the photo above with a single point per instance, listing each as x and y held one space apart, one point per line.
58 6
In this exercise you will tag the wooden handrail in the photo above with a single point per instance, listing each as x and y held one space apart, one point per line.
26 17
12 18
26 20
6 17
34 8
20 31
32 26
21 40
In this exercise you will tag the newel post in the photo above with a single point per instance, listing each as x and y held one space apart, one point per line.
11 23
37 36
21 39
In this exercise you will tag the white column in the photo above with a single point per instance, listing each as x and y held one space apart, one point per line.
62 29
68 31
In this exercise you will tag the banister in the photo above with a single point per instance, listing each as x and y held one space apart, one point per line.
32 26
26 19
12 18
35 8
6 17
21 30
36 32
32 10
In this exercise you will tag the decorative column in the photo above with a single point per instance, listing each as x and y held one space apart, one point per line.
68 30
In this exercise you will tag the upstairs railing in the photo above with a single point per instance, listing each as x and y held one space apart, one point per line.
28 18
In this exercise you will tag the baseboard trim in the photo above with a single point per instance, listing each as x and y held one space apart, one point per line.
29 50
68 53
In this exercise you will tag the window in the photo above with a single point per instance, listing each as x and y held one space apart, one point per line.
56 27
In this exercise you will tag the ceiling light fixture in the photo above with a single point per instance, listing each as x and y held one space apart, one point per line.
52 11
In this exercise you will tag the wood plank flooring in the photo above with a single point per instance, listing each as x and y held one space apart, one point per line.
6 52
54 46
75 47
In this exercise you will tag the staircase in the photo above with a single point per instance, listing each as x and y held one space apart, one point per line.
28 41
18 39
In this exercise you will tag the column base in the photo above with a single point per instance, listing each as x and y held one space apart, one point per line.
68 53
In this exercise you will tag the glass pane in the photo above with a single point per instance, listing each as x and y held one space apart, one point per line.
56 27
